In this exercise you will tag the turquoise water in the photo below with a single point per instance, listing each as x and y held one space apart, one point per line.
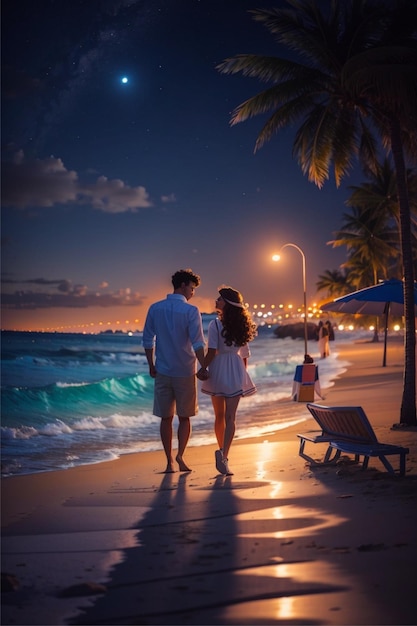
71 399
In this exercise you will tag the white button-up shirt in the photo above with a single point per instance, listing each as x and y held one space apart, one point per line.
174 328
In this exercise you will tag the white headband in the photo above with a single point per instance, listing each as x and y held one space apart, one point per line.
238 304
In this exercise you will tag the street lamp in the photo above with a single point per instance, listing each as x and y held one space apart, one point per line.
276 257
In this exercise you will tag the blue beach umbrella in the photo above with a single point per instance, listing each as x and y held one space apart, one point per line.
386 298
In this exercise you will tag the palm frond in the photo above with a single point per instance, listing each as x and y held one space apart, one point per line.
344 143
305 31
368 150
386 76
264 68
283 116
272 99
322 138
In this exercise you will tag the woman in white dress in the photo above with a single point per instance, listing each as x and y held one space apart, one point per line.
226 361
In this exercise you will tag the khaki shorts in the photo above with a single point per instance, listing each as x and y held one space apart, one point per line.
175 394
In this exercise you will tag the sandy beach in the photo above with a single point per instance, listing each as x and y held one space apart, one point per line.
279 542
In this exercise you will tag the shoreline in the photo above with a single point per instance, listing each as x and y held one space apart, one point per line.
91 445
85 430
143 535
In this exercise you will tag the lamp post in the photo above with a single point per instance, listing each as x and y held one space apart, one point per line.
276 257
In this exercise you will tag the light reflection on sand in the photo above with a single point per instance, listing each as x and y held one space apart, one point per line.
297 521
295 607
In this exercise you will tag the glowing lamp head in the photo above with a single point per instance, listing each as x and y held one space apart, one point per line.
276 257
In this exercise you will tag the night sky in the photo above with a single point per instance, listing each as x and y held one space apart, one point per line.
108 187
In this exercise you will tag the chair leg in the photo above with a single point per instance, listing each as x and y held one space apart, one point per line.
402 464
386 464
303 454
328 456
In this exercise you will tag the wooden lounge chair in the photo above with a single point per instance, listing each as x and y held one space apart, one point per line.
347 429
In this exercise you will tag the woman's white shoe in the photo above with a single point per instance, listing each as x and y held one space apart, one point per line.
226 466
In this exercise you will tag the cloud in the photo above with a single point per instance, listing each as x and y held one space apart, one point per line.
66 295
47 182
113 196
170 198
37 183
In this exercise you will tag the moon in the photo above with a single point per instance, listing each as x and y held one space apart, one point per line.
124 80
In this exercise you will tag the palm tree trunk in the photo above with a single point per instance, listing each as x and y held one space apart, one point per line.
408 405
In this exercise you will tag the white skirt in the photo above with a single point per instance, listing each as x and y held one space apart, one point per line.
228 377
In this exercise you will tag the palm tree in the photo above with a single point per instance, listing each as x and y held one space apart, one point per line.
379 195
353 88
367 236
335 282
359 271
371 231
351 276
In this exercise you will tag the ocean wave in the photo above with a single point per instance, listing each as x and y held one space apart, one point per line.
74 409
60 427
38 404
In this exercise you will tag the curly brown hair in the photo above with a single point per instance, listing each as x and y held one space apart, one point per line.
185 276
238 327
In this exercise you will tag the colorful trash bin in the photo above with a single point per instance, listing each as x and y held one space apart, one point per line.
306 383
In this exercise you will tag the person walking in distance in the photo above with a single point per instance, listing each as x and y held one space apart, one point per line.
323 337
173 340
226 360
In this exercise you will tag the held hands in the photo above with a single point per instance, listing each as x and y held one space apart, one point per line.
202 374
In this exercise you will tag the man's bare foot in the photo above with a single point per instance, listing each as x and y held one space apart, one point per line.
183 467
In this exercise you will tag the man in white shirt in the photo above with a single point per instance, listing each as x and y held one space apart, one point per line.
173 334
